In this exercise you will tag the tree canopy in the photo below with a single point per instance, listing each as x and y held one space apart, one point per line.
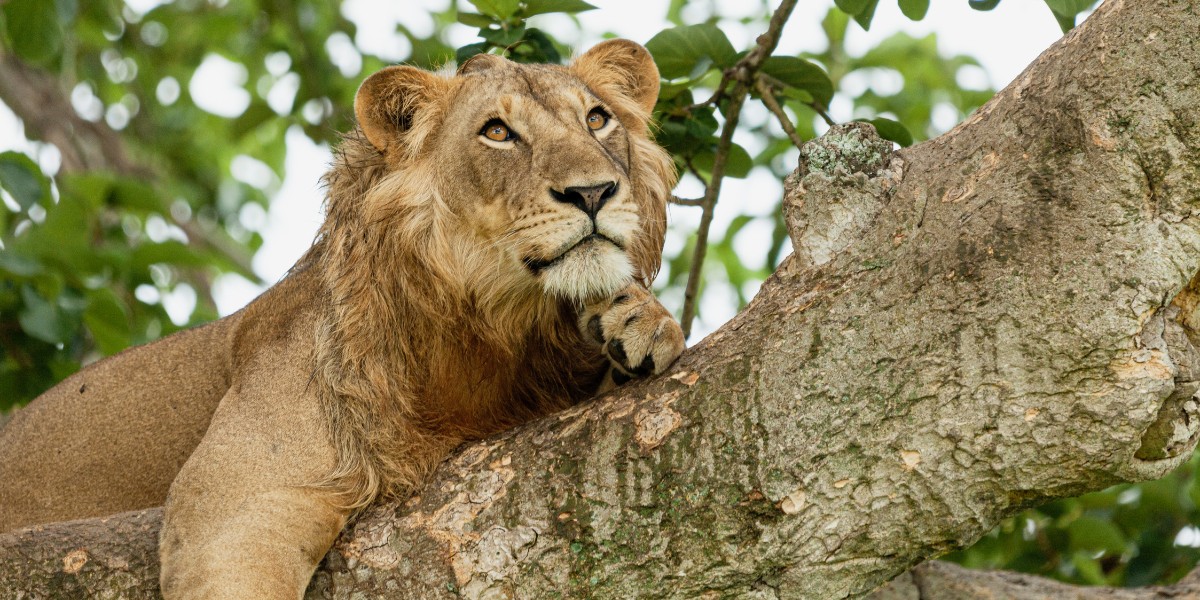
132 191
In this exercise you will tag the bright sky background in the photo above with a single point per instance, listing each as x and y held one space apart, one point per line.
1004 40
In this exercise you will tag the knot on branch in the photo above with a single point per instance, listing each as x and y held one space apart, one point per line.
837 190
846 149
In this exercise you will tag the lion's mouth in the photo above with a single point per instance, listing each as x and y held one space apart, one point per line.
537 265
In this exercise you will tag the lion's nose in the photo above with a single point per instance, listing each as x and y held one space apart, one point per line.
588 198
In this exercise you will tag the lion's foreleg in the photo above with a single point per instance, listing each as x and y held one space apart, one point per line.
241 520
636 333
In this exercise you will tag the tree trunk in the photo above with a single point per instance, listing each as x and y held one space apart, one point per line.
968 327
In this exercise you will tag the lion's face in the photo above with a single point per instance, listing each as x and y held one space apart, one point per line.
542 167
543 171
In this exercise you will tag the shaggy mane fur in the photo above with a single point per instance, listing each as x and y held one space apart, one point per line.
410 311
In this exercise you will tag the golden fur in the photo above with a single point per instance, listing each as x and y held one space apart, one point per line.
459 286
463 304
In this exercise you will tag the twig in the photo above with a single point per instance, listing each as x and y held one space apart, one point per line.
824 114
687 201
709 203
714 98
768 98
743 74
817 107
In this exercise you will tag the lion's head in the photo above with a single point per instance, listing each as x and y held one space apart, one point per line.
537 177
467 217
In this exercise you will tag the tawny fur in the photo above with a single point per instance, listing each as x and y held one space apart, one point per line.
416 305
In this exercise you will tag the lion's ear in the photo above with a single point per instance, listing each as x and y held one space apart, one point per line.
387 103
480 63
623 65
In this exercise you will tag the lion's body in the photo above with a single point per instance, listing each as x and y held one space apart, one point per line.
118 431
459 286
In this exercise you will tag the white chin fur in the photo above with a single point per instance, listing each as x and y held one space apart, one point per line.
592 271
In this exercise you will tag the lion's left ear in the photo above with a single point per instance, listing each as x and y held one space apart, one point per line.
390 103
622 65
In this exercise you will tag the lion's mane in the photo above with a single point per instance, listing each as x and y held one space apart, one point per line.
406 300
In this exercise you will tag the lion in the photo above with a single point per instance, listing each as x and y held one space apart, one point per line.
489 241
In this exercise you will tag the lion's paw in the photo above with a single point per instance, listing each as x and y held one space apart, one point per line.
637 334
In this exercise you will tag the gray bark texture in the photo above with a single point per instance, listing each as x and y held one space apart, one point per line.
998 317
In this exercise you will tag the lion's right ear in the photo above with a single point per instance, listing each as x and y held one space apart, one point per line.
389 103
622 65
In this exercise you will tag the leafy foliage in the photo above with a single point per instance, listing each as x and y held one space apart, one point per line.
90 250
1133 535
1065 11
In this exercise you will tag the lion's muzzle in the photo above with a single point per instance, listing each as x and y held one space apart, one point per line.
590 199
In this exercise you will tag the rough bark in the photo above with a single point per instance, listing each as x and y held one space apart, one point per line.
980 323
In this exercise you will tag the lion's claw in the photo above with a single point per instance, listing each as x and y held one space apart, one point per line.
637 334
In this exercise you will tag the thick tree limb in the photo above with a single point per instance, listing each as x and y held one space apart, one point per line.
1001 316
118 557
38 99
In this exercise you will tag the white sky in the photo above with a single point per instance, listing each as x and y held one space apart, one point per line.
1004 40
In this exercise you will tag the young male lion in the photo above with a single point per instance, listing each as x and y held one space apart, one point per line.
484 259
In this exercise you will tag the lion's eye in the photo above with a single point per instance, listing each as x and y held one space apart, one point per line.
497 131
597 119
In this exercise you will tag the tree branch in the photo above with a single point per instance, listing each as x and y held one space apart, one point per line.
742 74
768 98
39 100
687 201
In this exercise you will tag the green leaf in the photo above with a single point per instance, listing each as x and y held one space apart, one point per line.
1089 568
42 320
537 47
864 17
1069 8
22 178
801 74
503 37
1065 23
737 164
1091 534
891 130
462 54
108 321
20 266
501 9
680 50
983 4
703 124
538 7
33 29
914 9
133 194
171 252
475 20
853 7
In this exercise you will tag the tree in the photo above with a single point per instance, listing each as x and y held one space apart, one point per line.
882 382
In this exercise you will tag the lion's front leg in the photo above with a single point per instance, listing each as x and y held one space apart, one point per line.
637 334
241 520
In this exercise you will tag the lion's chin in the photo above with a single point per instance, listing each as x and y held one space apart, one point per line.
593 269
